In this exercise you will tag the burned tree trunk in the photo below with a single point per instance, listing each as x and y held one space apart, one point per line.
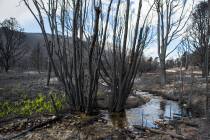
162 72
121 62
75 60
49 68
49 72
11 43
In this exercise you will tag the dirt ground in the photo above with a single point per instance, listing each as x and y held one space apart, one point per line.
191 90
14 86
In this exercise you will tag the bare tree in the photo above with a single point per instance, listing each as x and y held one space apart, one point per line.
49 67
11 43
1 59
37 57
182 51
122 59
207 64
197 36
172 17
77 58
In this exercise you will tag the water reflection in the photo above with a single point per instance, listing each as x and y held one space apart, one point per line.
156 108
162 108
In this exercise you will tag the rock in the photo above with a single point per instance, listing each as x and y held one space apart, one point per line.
132 102
141 93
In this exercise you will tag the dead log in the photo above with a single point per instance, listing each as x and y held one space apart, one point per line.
160 132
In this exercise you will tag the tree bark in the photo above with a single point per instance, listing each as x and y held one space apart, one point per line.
49 73
6 69
6 66
203 69
207 70
169 26
162 73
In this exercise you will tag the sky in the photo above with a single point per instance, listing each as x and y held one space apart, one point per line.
17 9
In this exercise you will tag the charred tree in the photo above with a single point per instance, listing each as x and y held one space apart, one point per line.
11 43
123 56
37 57
76 57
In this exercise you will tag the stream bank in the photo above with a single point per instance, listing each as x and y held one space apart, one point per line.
154 114
116 126
157 108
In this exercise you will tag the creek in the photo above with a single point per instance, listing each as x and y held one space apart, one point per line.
157 108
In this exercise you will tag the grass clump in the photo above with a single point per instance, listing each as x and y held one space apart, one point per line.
27 107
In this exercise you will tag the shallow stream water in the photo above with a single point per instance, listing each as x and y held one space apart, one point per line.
156 108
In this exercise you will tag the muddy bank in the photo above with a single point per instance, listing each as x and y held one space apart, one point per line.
71 128
190 93
155 112
195 103
169 96
157 108
119 126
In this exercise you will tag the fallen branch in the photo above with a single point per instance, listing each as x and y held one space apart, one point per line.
50 121
160 132
34 127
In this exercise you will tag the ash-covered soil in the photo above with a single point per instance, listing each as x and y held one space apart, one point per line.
14 86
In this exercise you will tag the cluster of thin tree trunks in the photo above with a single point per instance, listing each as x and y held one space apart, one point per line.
90 40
